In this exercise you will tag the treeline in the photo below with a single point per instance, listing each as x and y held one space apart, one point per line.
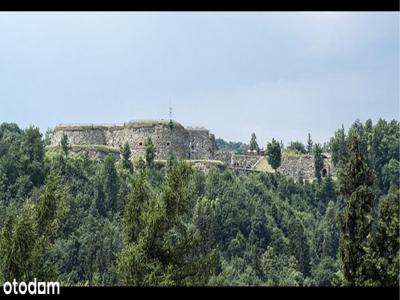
238 147
294 147
84 221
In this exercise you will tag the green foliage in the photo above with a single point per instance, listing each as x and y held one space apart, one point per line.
138 200
162 248
309 146
107 185
17 244
330 240
274 154
47 136
150 152
237 147
93 222
65 147
318 161
280 270
298 245
323 273
338 147
297 147
383 255
253 143
126 155
355 181
28 235
21 162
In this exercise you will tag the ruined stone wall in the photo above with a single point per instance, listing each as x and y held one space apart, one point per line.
237 161
297 166
80 135
201 144
244 161
329 167
292 165
225 156
169 138
206 165
303 166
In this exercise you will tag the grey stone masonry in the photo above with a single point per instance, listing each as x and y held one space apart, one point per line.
168 137
303 166
295 166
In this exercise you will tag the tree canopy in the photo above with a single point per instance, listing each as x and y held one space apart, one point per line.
117 221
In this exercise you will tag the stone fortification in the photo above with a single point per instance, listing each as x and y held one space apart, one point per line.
171 138
303 166
168 137
201 143
295 166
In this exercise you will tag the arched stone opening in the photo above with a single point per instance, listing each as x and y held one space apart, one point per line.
324 172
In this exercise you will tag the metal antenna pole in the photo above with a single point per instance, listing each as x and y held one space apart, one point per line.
170 111
170 114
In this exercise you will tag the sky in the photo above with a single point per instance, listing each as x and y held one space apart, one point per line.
279 74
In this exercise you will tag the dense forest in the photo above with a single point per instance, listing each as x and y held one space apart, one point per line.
85 221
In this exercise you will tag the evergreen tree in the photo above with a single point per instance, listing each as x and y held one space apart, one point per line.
274 154
328 192
32 155
17 241
167 250
298 245
206 221
323 272
253 143
107 188
138 200
297 147
150 152
391 175
357 128
126 155
318 161
338 147
65 147
383 257
330 235
279 269
384 146
47 136
29 233
355 181
309 144
51 210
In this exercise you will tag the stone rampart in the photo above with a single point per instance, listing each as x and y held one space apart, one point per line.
168 137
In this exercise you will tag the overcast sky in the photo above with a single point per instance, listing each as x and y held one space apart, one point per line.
280 75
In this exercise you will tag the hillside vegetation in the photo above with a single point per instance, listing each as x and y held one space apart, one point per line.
85 221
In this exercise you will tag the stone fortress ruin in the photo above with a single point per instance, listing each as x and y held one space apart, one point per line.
169 137
293 165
